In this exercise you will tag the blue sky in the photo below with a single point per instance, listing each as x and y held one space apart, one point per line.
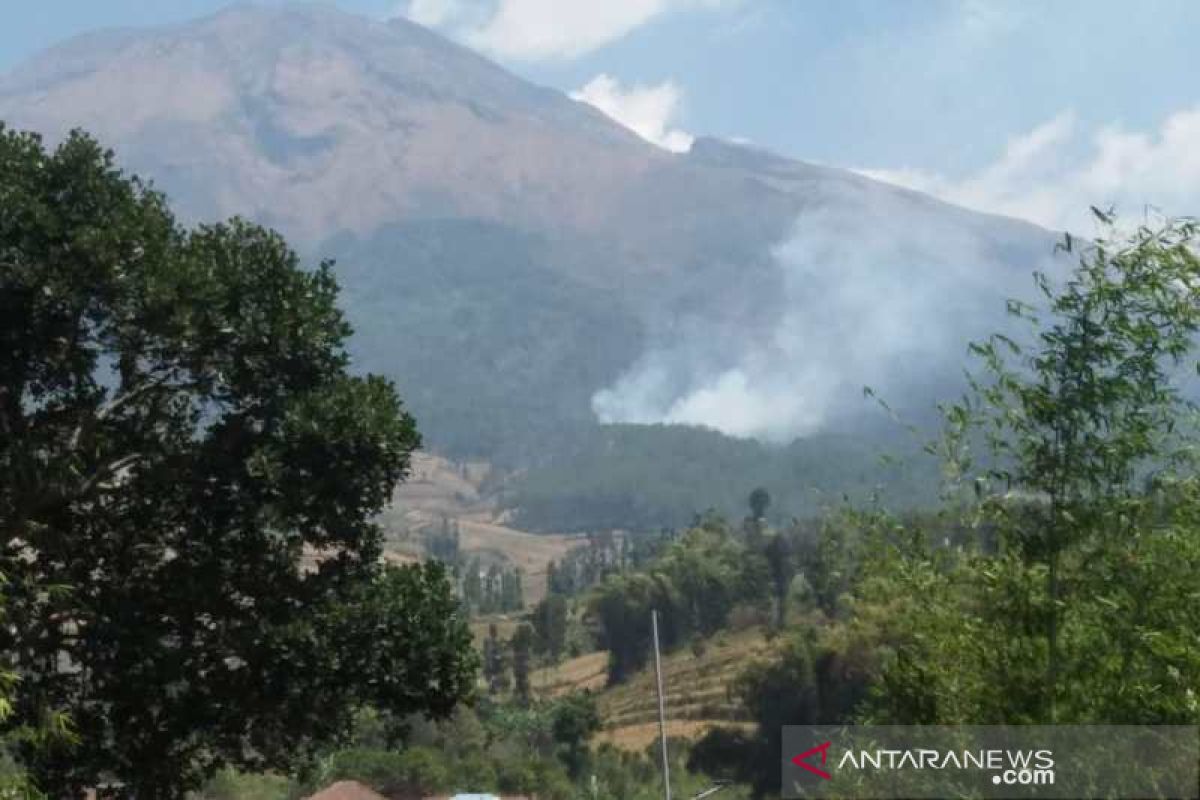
1033 108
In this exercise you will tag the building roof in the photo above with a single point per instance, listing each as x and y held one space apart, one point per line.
346 790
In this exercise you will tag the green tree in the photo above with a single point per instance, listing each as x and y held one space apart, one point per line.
522 650
512 596
444 545
808 683
622 605
759 501
694 584
1093 401
54 729
575 722
830 558
1071 605
782 567
550 626
708 566
495 661
179 434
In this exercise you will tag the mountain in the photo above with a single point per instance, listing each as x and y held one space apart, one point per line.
522 265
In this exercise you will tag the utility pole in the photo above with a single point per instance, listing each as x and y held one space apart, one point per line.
662 708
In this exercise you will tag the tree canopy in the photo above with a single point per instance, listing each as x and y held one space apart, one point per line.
188 479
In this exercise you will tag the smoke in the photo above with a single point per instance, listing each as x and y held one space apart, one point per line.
881 288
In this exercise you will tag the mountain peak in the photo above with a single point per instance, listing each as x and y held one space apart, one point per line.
503 241
319 120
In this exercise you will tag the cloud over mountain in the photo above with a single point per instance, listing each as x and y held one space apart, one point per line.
541 29
648 111
1054 172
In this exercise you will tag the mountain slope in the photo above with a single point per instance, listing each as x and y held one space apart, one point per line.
318 121
518 262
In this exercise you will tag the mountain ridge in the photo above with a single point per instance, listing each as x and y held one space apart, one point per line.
521 265
242 24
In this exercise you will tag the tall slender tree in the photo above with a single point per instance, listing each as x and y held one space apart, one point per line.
1093 401
521 645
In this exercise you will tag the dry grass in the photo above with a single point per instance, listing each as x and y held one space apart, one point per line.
636 738
505 624
585 672
531 552
697 690
439 489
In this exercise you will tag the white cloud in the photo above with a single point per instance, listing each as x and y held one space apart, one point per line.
646 110
431 13
1052 174
456 18
540 29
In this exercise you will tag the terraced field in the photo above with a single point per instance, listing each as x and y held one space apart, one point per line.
697 690
440 490
697 686
585 672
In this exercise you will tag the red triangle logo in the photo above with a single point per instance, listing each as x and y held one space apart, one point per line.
800 761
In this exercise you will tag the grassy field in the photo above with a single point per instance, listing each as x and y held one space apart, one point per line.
697 690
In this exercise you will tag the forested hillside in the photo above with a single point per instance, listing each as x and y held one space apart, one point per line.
526 269
660 476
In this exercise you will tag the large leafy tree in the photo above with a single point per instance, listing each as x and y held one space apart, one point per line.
694 585
188 478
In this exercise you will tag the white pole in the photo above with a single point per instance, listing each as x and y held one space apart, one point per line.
662 708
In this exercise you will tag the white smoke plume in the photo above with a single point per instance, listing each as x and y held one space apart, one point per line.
883 288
